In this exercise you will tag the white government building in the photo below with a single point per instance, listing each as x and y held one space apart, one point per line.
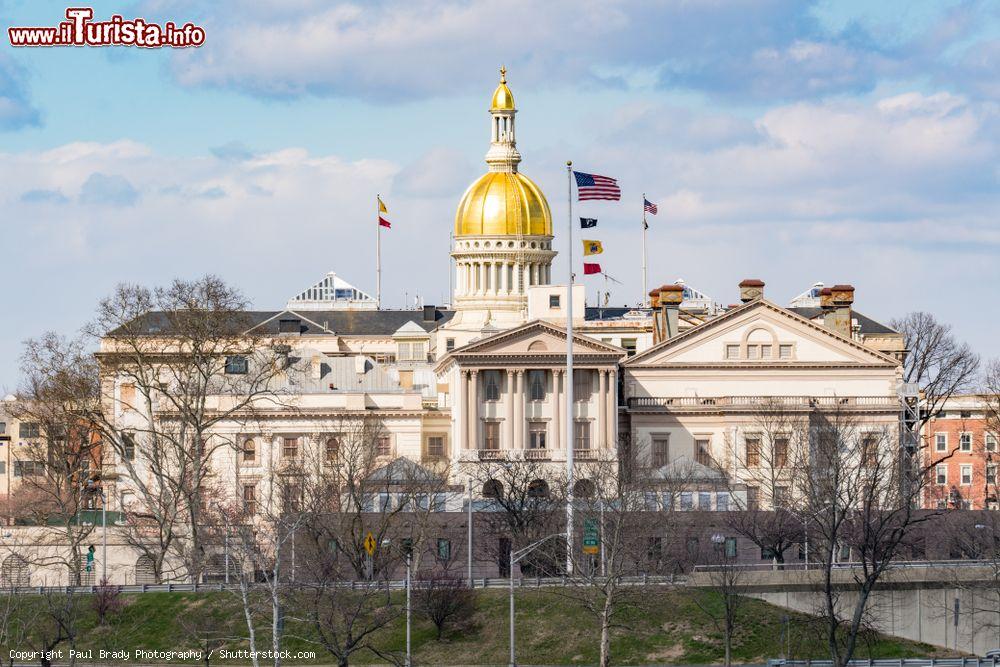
485 379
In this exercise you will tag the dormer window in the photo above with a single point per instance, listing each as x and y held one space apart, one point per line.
411 351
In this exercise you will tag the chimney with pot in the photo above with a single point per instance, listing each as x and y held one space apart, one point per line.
751 289
836 303
670 302
654 305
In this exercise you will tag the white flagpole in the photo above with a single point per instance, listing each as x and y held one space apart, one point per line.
645 289
569 376
378 252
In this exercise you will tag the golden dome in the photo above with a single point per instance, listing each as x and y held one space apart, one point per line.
503 204
503 99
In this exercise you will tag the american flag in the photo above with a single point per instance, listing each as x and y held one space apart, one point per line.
592 186
648 206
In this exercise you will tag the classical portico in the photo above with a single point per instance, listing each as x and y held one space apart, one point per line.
510 396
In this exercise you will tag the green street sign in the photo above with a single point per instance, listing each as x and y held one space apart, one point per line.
591 541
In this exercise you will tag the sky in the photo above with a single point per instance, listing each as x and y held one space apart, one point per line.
786 140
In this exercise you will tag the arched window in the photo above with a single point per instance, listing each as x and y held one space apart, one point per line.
583 488
249 451
538 488
332 450
492 489
14 572
538 346
145 573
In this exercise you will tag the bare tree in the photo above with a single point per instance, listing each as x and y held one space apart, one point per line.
726 578
444 598
363 500
852 486
764 466
526 501
935 360
58 463
177 362
621 507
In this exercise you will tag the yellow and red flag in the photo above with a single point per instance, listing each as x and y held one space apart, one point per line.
382 213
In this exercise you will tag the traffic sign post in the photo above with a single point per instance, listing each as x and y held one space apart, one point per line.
370 545
591 538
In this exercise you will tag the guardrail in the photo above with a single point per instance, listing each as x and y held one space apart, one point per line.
900 662
395 584
902 564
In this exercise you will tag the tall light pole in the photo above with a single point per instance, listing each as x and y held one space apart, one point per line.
409 559
104 537
469 548
570 423
516 556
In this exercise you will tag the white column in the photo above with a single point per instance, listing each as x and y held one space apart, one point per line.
602 402
612 410
463 406
510 409
557 379
519 395
473 423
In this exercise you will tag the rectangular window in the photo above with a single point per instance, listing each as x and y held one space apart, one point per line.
128 446
941 474
940 442
250 499
28 468
722 501
732 352
3 467
383 446
780 452
628 344
331 450
536 385
491 435
553 301
966 471
965 442
449 344
784 351
443 549
29 430
581 436
701 449
990 442
704 501
290 449
730 547
991 474
753 352
869 451
582 385
753 501
249 450
3 428
491 385
235 365
752 457
126 394
765 351
536 435
660 455
687 500
435 446
781 496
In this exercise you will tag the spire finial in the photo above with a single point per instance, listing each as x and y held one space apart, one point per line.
503 74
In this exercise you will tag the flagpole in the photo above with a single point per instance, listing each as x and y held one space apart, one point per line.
569 375
645 289
378 253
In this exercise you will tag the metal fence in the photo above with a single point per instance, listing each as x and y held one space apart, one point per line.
400 584
901 662
901 564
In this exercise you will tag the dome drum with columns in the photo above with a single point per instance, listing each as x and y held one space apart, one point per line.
503 232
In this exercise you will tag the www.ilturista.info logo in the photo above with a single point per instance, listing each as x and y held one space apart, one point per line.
80 30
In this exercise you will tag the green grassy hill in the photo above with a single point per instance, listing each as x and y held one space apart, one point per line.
669 628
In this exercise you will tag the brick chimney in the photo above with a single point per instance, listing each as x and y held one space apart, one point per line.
836 304
665 302
751 289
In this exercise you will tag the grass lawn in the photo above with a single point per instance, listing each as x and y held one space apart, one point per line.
668 628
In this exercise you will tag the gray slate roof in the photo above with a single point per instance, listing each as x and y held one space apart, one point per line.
867 324
341 322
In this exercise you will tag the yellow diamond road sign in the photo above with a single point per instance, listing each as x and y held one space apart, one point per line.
370 543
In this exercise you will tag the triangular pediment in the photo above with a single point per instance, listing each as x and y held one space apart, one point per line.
760 333
536 339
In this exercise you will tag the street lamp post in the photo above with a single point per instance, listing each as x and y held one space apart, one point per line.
104 537
409 559
516 556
